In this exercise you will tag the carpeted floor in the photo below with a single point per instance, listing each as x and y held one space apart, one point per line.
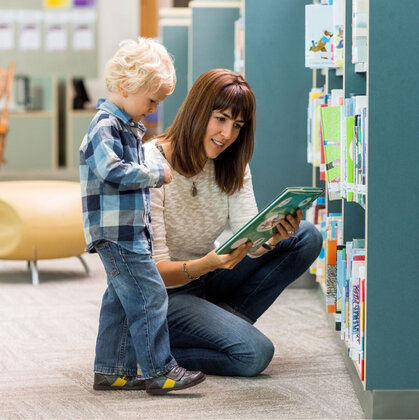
47 337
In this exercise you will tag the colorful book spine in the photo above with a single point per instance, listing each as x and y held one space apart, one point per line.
314 215
340 285
361 360
353 149
334 229
316 99
355 347
321 259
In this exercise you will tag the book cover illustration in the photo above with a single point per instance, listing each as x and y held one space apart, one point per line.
263 226
319 36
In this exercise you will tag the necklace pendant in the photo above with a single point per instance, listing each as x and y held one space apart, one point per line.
194 190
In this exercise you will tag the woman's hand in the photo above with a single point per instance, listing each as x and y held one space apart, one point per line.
227 261
287 228
177 273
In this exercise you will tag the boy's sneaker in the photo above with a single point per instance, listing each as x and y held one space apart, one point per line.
104 382
174 380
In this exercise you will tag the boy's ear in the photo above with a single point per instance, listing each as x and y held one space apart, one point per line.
124 93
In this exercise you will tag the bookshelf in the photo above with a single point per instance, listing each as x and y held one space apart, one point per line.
32 140
76 124
390 81
390 388
49 45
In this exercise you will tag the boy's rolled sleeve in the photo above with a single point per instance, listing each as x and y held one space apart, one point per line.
157 172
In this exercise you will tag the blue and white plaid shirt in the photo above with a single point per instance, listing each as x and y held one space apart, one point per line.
114 181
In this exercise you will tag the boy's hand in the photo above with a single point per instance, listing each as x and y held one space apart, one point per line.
167 174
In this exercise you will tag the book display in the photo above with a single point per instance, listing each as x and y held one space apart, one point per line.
367 268
350 143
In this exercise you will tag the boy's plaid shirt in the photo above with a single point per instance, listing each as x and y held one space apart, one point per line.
114 180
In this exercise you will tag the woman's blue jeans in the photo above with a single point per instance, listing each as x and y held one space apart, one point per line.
211 319
133 317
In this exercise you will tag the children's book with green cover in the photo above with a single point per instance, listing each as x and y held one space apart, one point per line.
330 119
263 226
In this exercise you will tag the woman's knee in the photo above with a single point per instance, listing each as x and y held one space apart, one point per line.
259 354
311 237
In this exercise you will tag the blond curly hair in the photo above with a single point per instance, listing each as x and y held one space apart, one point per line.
144 64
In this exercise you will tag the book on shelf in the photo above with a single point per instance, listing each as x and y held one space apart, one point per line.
359 31
334 237
353 302
338 32
321 259
342 145
340 284
263 226
315 100
358 261
330 126
318 36
322 156
357 151
342 271
314 214
361 358
348 153
239 45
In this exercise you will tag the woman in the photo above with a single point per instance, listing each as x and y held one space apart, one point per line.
214 300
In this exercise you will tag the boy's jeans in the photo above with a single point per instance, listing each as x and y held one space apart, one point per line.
133 323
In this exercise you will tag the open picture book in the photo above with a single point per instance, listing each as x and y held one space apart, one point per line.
263 226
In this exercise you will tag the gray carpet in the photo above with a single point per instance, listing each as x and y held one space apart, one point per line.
47 337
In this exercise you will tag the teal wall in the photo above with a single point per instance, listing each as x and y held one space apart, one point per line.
212 39
175 39
274 67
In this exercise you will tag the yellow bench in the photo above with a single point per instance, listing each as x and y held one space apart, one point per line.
41 220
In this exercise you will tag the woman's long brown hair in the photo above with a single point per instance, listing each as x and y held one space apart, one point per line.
217 89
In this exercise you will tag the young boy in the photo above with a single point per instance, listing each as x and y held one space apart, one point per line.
116 214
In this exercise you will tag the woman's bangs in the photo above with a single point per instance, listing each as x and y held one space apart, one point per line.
238 99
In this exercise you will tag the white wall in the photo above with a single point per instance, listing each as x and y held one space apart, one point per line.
115 23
